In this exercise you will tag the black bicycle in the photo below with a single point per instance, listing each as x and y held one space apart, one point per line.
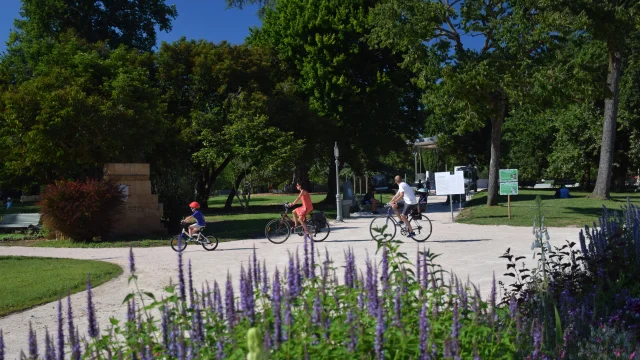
180 241
420 224
278 230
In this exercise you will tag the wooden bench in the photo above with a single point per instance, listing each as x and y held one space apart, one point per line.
20 221
527 183
559 182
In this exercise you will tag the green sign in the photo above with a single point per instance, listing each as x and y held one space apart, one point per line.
508 181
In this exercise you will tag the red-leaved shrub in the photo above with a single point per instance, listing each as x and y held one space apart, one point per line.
82 211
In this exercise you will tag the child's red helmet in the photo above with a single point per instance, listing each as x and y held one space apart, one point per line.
194 205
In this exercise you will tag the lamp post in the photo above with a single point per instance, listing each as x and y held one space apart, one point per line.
336 153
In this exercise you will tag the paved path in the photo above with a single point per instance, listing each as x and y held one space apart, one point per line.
469 250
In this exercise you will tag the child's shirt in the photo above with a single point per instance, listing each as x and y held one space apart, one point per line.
199 218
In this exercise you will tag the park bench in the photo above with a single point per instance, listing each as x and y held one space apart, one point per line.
526 183
20 221
361 206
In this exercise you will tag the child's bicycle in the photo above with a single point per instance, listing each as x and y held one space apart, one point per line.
179 242
278 230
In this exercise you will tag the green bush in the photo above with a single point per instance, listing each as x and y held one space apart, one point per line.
82 211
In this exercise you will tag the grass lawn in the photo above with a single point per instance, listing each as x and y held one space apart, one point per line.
30 281
576 211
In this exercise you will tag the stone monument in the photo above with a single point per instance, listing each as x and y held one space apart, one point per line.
142 212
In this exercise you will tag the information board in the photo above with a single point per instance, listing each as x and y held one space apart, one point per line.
447 184
508 181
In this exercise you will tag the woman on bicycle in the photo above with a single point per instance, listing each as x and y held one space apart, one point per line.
197 217
301 212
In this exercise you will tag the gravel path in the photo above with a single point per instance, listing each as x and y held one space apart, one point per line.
468 250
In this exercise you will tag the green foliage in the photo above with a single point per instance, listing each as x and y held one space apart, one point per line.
83 105
82 210
131 23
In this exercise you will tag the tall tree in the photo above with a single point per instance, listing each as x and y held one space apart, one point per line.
131 22
364 100
609 21
470 87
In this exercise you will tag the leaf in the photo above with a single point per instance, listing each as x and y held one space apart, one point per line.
510 274
150 295
511 266
559 332
128 297
113 321
524 277
520 258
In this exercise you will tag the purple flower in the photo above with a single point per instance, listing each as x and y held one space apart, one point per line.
288 318
220 348
306 258
256 268
397 308
75 348
131 311
424 333
455 331
217 295
183 292
312 260
50 350
265 278
191 290
197 334
372 288
33 343
291 278
425 270
316 317
492 313
60 332
418 267
325 270
353 338
267 339
72 338
513 307
229 303
298 274
385 270
277 309
536 341
250 301
243 288
164 324
349 270
132 263
379 341
1 345
91 312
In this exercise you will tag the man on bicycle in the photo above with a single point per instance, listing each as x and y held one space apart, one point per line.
405 192
196 216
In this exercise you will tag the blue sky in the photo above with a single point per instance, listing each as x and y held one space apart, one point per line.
197 19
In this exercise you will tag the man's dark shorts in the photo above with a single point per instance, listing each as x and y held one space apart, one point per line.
406 207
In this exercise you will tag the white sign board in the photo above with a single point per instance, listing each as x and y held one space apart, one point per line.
447 184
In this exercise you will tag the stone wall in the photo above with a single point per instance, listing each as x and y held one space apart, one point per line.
143 212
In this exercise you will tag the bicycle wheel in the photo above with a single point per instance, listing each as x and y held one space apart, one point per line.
320 233
209 243
277 231
174 244
380 222
421 227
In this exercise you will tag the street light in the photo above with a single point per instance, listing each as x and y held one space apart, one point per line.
336 153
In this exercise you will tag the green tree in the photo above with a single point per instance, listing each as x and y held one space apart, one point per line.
363 99
116 22
468 88
610 22
84 105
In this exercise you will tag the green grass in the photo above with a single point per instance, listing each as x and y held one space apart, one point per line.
261 200
576 211
31 281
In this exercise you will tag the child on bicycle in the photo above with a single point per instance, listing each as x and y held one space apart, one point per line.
195 217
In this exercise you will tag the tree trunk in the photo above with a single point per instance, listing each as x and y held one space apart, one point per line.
227 205
206 180
331 183
607 147
499 103
586 177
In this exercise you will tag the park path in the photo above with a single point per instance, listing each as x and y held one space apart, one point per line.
468 250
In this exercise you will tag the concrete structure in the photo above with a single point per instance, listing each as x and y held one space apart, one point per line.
143 212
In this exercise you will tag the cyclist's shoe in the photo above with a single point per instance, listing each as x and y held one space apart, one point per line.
411 234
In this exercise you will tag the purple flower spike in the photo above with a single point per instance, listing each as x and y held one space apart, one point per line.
191 290
316 317
91 312
277 310
424 333
288 318
60 332
536 341
418 267
353 339
75 348
312 260
183 292
243 288
385 271
492 313
220 348
306 257
265 278
229 303
1 345
33 343
72 338
455 331
267 340
379 341
50 349
131 311
397 308
165 327
256 268
291 278
132 263
425 270
250 301
298 272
